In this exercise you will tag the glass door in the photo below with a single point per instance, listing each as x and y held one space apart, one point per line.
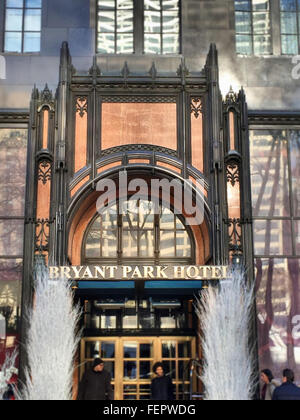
130 361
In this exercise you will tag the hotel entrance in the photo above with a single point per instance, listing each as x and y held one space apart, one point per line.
130 361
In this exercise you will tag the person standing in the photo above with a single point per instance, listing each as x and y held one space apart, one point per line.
96 383
288 391
269 385
162 385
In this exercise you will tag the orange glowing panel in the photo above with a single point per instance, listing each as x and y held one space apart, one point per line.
109 166
197 135
45 128
171 167
233 198
81 131
146 161
139 123
232 130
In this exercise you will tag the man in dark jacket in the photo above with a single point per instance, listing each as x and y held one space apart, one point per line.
96 383
288 391
161 386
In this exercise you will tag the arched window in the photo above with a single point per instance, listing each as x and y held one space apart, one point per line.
137 234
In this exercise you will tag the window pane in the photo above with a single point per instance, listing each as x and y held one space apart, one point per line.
130 350
170 4
170 22
167 220
167 244
33 3
262 44
106 43
13 42
145 370
130 245
109 219
125 44
269 173
295 170
32 42
32 20
107 350
288 23
289 44
14 3
14 19
273 237
13 151
261 23
184 350
260 5
171 44
125 21
152 22
288 5
106 4
106 22
297 236
125 4
169 349
11 237
152 4
243 22
147 244
109 244
244 44
243 5
93 244
183 246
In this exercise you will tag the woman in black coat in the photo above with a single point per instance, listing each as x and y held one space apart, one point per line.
161 386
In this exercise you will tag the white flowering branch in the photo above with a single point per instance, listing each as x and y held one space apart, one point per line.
225 314
52 340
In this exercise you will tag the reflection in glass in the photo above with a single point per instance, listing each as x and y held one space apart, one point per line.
107 350
273 237
14 20
13 42
130 350
32 20
146 351
170 368
130 371
295 170
169 349
184 349
269 173
145 370
32 42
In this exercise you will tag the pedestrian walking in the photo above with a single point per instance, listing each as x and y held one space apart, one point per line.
162 385
269 385
288 391
96 383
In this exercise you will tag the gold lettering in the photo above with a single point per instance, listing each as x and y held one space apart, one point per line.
216 273
112 271
205 270
161 272
148 272
77 272
53 272
100 272
65 272
126 270
179 272
195 271
137 273
87 273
